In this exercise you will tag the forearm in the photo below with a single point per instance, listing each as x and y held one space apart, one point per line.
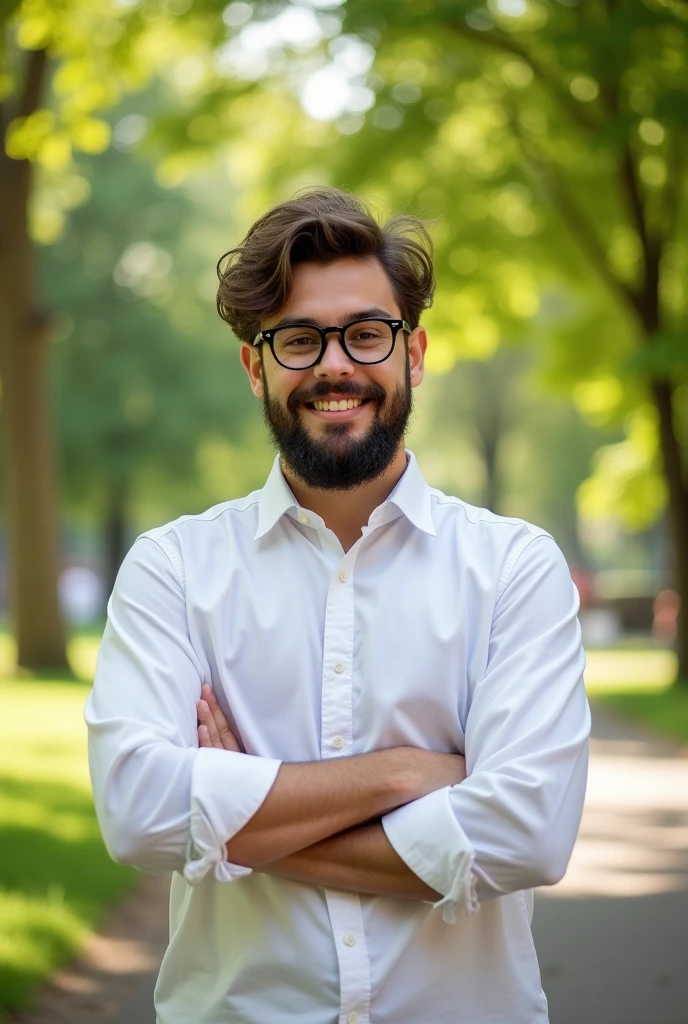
310 802
361 860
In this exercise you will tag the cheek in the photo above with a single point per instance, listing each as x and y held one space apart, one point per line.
283 385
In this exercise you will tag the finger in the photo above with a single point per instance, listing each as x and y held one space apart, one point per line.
203 736
227 737
206 719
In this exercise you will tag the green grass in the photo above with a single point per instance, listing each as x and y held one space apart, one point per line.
56 878
628 670
639 685
663 710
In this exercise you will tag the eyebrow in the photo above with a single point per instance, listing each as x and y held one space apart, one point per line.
372 313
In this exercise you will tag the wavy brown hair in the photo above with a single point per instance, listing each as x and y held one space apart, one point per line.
322 225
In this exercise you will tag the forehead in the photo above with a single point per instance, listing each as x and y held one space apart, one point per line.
331 292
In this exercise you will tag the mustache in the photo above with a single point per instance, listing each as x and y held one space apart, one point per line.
346 388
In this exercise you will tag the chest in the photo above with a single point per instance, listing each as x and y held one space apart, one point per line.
314 654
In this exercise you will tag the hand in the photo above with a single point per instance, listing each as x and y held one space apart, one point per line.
429 770
213 730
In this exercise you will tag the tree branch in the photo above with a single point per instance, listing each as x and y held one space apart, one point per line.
504 43
33 82
29 100
648 297
675 168
652 247
574 216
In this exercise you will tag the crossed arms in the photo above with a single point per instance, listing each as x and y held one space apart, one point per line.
319 824
405 821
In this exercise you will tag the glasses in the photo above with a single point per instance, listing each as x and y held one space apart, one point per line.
301 346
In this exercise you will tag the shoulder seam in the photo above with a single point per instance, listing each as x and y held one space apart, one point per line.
510 564
176 565
532 528
168 527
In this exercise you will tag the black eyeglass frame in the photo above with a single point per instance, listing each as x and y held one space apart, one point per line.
269 337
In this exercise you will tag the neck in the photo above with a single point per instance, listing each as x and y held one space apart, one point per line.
347 512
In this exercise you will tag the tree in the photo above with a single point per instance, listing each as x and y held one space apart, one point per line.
551 137
37 135
60 66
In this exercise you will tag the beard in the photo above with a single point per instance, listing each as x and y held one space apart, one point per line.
337 461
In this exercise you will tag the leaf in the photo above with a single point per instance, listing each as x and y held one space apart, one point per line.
91 135
664 355
55 152
673 106
26 135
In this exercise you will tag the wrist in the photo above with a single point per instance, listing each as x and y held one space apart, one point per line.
398 777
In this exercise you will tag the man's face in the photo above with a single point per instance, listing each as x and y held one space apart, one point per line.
338 450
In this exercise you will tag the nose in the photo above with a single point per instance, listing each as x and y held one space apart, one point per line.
335 363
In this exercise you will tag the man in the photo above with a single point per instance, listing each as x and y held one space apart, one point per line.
289 683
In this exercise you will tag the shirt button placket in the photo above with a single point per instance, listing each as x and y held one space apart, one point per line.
337 680
336 741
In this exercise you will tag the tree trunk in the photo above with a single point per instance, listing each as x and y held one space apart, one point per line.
677 514
116 545
28 457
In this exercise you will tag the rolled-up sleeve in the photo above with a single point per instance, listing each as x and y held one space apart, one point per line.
163 804
513 822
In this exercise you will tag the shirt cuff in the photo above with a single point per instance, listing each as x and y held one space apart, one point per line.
430 841
227 788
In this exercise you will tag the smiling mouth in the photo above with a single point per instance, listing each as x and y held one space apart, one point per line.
340 405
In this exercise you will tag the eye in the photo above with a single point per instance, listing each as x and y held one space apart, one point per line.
302 340
365 334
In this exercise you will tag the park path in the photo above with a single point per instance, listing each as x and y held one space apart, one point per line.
611 937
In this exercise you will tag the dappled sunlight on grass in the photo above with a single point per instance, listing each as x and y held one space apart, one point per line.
82 651
662 710
629 669
7 654
56 879
36 934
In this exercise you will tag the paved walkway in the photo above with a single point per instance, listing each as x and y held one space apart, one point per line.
611 937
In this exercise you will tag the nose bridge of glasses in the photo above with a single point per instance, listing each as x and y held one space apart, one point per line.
326 332
329 334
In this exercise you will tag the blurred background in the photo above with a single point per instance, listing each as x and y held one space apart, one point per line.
546 144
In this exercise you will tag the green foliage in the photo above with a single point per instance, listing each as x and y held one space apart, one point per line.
145 373
549 140
546 139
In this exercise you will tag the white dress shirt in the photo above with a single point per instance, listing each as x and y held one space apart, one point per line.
445 627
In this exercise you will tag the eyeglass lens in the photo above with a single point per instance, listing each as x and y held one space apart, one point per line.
367 341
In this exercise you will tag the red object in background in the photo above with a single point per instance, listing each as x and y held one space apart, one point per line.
584 582
665 610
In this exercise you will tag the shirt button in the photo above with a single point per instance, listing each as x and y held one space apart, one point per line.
303 518
343 575
338 742
339 666
352 1018
349 940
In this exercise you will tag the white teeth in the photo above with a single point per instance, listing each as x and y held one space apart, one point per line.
340 406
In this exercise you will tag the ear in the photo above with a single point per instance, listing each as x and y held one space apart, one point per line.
417 344
251 362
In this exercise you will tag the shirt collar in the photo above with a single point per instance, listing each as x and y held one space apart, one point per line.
276 498
411 496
